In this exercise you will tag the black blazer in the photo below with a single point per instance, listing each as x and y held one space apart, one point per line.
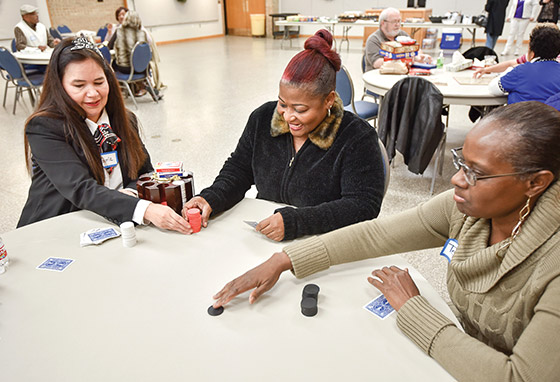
63 182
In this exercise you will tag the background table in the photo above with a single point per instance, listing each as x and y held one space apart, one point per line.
139 314
34 57
453 92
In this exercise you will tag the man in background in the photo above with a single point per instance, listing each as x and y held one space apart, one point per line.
390 22
29 32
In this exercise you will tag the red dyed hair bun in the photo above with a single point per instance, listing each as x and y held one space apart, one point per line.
322 42
316 65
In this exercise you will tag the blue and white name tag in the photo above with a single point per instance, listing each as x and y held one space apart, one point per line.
449 249
109 159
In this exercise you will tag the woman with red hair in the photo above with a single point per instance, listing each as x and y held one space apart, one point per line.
303 150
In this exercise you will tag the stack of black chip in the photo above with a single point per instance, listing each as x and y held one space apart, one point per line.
309 300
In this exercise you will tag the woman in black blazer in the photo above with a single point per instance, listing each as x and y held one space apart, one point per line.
82 146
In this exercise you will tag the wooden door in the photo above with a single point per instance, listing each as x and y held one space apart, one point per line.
238 15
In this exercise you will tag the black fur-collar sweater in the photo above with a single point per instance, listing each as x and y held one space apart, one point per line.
335 179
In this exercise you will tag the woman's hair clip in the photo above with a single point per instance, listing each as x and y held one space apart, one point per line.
81 42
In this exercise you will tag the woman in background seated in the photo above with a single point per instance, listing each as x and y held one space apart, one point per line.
112 28
82 146
538 79
501 229
303 150
128 35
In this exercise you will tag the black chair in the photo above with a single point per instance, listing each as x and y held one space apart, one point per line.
479 52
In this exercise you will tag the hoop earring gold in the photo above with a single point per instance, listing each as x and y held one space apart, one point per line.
329 112
523 213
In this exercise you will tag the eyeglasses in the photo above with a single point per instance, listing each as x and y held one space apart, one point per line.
394 22
468 173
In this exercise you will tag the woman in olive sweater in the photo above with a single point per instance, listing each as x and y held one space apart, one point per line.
503 218
306 151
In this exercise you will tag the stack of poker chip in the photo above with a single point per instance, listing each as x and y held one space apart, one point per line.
194 218
128 234
309 298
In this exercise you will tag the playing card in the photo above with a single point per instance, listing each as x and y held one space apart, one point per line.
55 264
103 234
380 307
251 223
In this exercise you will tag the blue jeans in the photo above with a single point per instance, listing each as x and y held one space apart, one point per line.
491 41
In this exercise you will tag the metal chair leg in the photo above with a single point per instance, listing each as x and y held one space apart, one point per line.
18 90
5 94
131 95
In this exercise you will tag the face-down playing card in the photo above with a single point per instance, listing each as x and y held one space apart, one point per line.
380 307
55 264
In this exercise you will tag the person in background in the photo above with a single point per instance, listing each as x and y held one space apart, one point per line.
549 11
500 226
520 14
127 36
390 22
83 148
112 28
303 150
496 17
538 79
29 32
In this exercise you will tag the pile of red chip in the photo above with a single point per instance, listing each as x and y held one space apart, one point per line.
195 219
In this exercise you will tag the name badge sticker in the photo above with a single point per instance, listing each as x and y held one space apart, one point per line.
109 159
449 249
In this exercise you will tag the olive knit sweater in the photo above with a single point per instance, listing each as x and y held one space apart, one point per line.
335 179
510 308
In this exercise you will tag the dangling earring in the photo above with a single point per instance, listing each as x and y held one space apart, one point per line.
329 112
525 211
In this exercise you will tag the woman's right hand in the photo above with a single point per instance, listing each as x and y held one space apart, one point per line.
262 277
479 72
164 217
200 203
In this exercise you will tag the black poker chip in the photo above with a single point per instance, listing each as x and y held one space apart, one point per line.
215 311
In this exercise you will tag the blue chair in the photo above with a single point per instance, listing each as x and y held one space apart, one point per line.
106 54
16 75
139 70
368 93
55 33
102 32
63 29
345 89
14 45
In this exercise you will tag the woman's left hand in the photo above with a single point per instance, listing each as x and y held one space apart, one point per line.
395 284
272 227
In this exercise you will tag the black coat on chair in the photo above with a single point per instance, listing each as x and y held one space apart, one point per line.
410 121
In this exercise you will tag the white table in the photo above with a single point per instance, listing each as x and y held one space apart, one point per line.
453 92
34 57
139 314
346 26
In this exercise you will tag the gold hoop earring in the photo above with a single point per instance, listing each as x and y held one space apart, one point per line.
523 213
329 112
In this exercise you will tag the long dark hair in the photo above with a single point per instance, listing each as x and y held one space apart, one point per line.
56 103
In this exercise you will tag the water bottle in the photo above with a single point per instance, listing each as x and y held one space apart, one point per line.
3 257
440 60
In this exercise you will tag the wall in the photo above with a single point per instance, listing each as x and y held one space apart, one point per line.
332 8
77 15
